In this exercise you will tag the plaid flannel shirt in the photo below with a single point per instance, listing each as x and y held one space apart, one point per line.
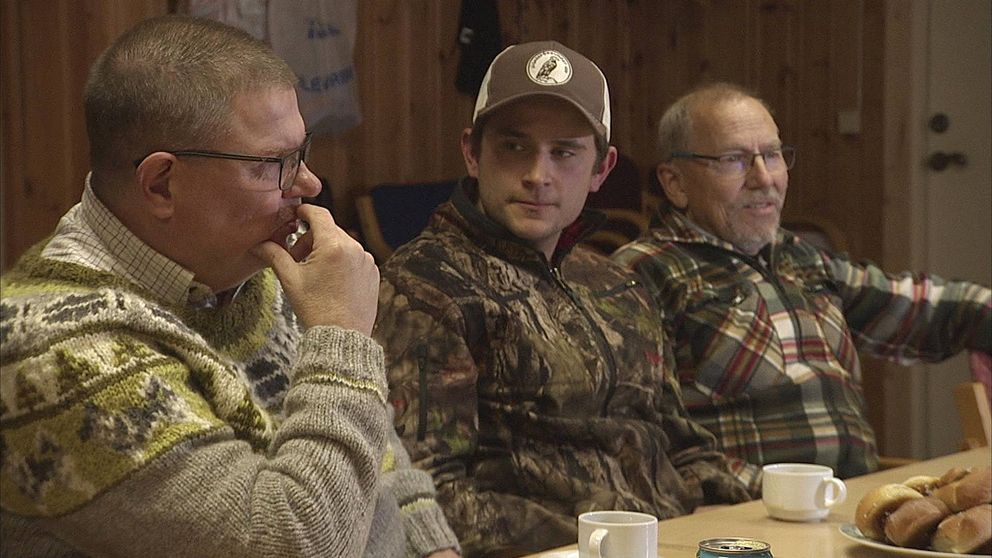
766 345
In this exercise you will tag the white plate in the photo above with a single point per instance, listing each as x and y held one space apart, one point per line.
853 533
561 554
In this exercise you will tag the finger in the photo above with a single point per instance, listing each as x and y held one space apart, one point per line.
331 235
274 256
321 223
314 214
302 248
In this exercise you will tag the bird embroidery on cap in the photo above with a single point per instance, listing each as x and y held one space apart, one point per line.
549 68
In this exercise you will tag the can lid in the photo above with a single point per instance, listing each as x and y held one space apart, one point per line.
734 545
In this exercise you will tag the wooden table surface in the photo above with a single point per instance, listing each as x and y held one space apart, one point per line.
679 537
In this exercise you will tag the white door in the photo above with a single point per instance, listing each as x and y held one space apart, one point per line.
958 199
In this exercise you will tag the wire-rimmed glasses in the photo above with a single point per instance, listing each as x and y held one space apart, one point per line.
738 164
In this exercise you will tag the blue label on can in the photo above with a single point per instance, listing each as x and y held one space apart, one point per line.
734 547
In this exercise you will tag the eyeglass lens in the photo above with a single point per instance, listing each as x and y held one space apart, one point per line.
774 161
778 160
291 166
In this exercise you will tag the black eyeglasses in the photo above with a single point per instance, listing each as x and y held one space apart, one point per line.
289 165
738 164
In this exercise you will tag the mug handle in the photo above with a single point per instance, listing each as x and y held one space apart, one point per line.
840 492
596 542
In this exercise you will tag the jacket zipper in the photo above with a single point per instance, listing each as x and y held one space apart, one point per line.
422 411
625 286
770 277
604 345
765 272
841 426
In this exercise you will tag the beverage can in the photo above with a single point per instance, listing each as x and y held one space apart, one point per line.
734 547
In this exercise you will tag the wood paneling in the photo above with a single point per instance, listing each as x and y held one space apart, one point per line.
811 60
406 58
807 59
47 48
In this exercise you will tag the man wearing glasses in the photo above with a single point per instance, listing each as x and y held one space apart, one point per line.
767 327
163 393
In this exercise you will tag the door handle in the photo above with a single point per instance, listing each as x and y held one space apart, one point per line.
938 160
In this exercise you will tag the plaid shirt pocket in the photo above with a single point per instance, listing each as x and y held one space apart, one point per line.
731 341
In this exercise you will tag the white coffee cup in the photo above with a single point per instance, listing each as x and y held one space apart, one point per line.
618 534
800 491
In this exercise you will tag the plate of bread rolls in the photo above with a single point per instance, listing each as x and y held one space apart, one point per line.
944 516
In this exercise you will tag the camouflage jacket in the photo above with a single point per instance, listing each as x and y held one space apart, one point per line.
532 390
767 346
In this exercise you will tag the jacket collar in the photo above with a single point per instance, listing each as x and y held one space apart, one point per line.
672 225
463 213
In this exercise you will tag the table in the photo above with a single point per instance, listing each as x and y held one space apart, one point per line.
679 537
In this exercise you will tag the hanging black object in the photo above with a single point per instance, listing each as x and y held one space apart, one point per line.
480 41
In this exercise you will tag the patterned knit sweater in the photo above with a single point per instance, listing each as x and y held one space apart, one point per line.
129 427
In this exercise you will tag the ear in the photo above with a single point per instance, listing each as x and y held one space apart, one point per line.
154 177
673 183
600 173
471 159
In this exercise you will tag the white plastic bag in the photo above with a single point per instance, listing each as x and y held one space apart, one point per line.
316 38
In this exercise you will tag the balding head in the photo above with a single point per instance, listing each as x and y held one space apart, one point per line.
675 127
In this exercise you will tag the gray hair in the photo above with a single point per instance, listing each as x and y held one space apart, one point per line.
675 126
168 84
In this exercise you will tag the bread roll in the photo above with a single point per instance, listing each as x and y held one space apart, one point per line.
876 506
972 490
924 484
913 523
965 532
953 474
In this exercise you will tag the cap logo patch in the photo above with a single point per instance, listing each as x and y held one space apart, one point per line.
549 68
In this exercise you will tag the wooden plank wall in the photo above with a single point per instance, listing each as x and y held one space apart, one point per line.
812 60
47 48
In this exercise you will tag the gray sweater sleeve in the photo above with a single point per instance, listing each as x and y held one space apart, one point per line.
423 521
312 492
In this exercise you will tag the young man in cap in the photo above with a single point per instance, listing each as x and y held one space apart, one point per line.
528 374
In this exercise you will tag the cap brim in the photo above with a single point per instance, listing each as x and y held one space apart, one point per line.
597 126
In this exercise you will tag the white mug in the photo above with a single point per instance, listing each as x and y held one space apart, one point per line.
800 491
618 534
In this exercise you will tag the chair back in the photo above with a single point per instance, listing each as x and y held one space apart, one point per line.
621 189
620 197
621 226
391 215
819 232
981 371
976 420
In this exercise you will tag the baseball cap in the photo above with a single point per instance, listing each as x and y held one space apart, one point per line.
546 68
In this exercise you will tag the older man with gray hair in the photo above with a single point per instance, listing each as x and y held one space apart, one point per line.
766 326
